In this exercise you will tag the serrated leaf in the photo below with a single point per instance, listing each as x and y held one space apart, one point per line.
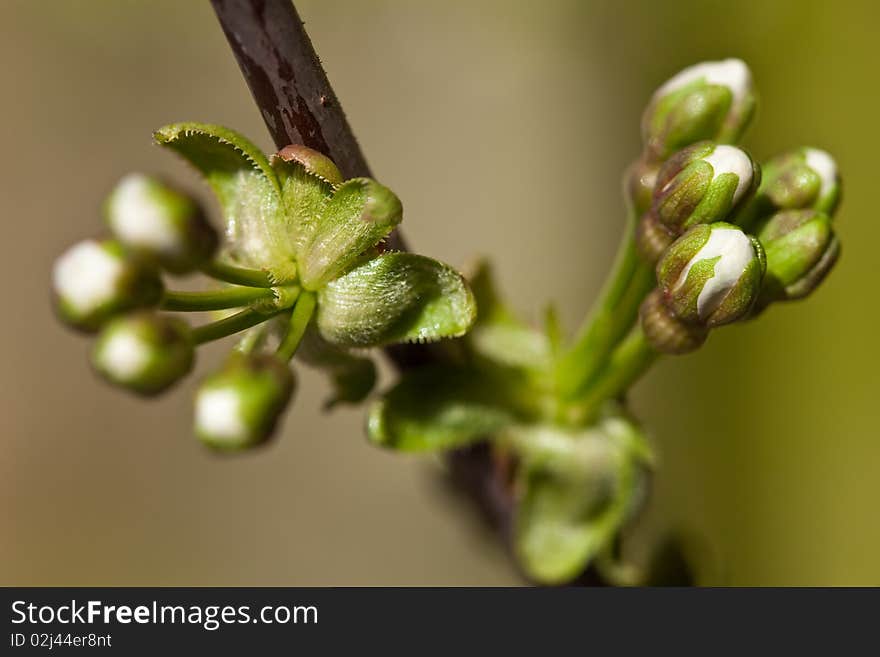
395 297
247 189
489 304
304 196
352 377
438 408
577 490
498 335
358 216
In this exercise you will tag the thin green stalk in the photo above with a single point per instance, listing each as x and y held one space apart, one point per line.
229 325
299 322
630 360
237 275
612 317
233 297
253 339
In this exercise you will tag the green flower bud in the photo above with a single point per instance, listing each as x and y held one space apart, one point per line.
144 352
711 100
153 219
314 162
239 406
652 237
94 280
806 178
712 274
801 249
666 332
638 185
700 184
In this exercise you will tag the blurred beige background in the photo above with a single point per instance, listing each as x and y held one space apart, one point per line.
504 127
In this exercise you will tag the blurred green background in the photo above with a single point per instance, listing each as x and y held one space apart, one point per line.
504 126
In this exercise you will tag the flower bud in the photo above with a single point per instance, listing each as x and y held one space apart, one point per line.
158 221
638 185
144 352
239 406
711 100
93 280
801 249
666 332
805 178
711 275
700 184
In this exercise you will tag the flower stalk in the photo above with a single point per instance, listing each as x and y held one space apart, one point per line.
227 273
214 299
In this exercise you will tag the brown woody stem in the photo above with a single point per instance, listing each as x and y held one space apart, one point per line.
298 105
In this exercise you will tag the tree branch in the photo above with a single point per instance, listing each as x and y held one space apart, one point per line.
287 80
298 105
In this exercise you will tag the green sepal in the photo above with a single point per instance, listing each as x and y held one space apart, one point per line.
576 491
690 114
439 408
351 376
395 297
358 216
248 191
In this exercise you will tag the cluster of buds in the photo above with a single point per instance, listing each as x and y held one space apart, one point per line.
711 101
727 236
114 287
700 184
791 214
300 265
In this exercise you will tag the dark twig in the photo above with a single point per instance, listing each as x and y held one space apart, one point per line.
287 80
298 105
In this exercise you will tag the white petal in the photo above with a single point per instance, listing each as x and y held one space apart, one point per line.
731 73
219 415
86 276
824 165
124 355
138 219
730 159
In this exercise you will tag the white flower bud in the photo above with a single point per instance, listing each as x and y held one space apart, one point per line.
143 352
239 406
711 100
93 280
152 218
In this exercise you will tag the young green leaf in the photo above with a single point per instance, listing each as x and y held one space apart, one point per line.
352 377
395 297
577 491
438 408
358 216
248 191
304 195
498 335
